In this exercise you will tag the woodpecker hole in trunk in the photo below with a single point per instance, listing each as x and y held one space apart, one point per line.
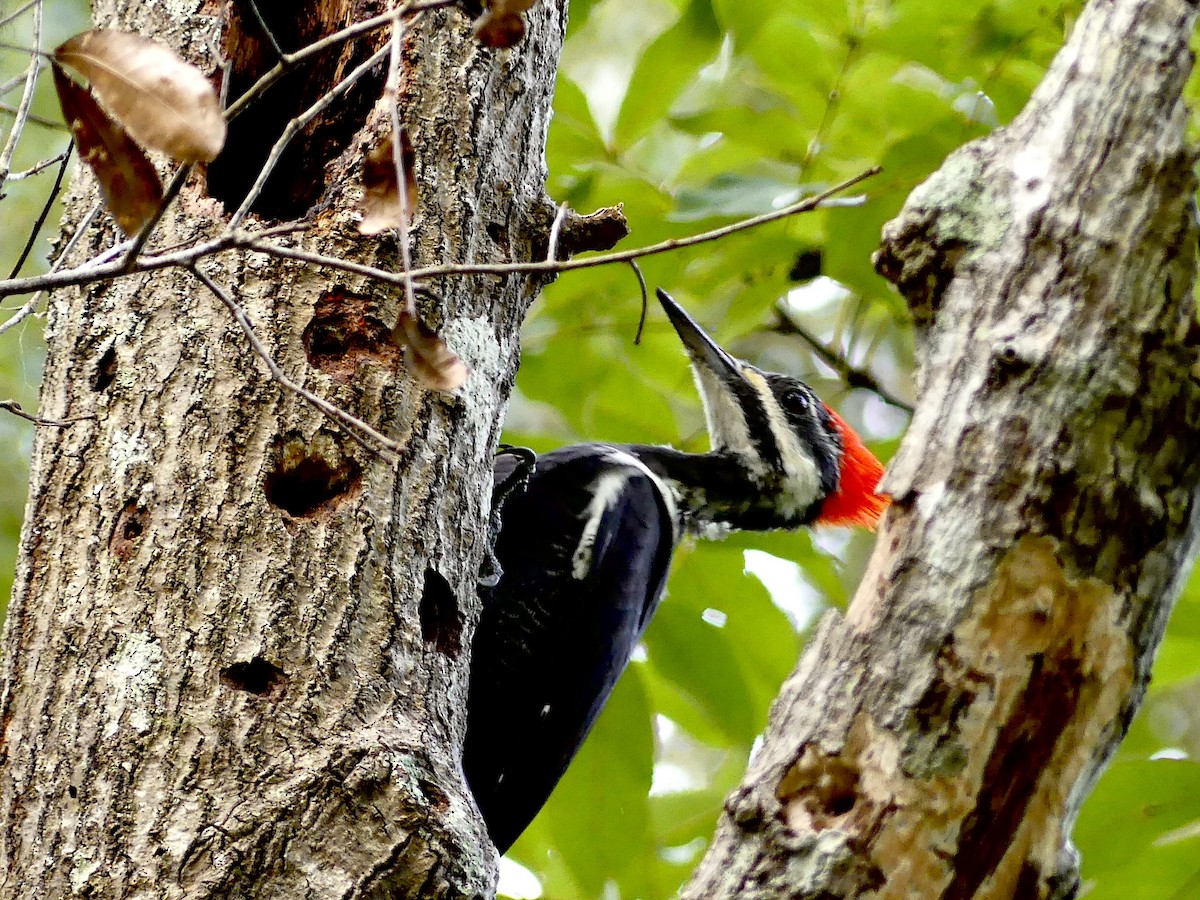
311 478
130 525
819 789
441 619
298 179
106 370
439 800
498 233
346 330
255 676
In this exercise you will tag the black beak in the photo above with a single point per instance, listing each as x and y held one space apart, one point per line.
706 353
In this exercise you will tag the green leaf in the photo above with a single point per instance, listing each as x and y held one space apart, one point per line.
1152 807
669 64
596 820
1178 658
735 195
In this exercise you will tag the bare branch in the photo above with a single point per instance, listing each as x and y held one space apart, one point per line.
169 195
31 73
64 158
817 201
38 168
854 376
100 268
33 119
19 11
637 270
293 128
392 90
288 60
31 305
14 407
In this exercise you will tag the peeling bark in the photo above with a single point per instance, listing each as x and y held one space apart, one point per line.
233 661
939 740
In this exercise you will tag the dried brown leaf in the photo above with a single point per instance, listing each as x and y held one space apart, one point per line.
501 24
499 31
426 355
382 205
163 101
128 181
511 7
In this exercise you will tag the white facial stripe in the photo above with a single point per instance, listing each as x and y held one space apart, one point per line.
726 422
607 488
803 479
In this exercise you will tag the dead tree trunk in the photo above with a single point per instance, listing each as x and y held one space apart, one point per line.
939 740
233 663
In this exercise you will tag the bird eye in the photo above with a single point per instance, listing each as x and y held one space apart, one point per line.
795 401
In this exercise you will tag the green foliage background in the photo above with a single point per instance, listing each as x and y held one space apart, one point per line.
693 114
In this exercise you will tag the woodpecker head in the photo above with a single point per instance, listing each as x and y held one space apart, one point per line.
811 465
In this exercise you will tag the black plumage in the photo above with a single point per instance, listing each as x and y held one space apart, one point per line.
584 543
550 645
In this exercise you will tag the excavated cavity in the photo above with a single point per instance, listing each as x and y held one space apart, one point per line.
255 676
310 478
130 525
106 370
441 619
346 330
825 787
298 179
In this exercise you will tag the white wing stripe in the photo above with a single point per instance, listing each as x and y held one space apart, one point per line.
606 489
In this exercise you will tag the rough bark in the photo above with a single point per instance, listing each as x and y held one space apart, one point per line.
233 662
939 740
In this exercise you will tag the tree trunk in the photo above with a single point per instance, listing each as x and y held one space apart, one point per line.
939 740
233 663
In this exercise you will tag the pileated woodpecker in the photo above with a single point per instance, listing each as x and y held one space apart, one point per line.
584 547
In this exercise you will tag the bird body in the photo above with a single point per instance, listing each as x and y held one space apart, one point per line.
552 657
585 546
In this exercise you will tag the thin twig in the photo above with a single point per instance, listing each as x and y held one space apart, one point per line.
169 195
293 128
15 408
360 431
42 216
6 86
552 243
105 265
289 60
31 74
637 270
95 270
586 262
37 168
832 100
392 90
266 29
854 376
16 13
33 119
32 303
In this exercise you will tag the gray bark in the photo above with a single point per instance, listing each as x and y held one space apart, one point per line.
234 661
938 741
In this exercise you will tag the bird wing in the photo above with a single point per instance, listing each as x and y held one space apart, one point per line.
584 551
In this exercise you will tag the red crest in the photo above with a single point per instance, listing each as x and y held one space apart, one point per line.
855 502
